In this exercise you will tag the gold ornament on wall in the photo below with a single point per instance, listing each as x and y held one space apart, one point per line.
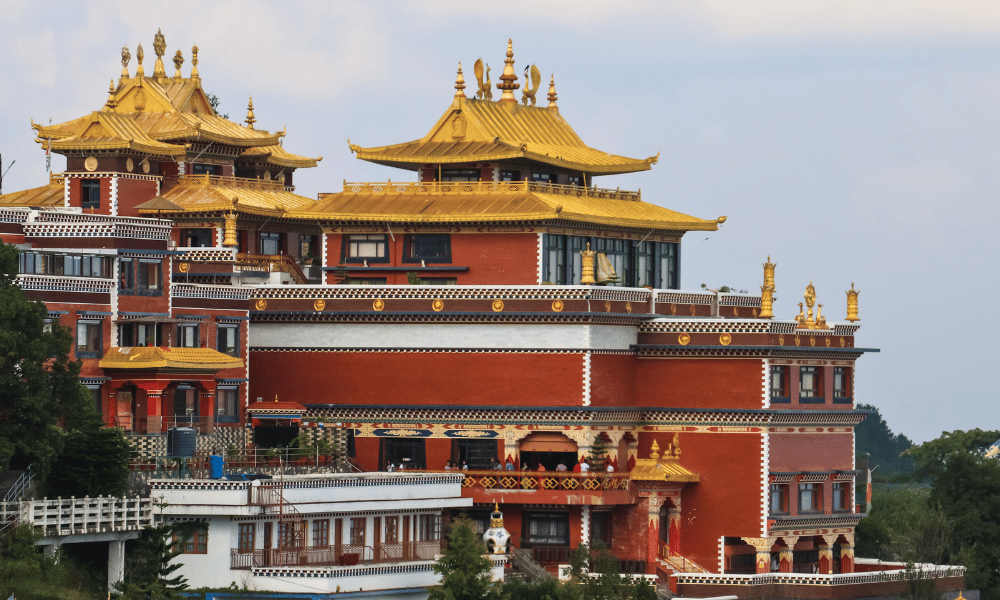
378 305
557 305
129 165
90 164
725 339
437 305
684 339
184 267
497 305
261 304
319 305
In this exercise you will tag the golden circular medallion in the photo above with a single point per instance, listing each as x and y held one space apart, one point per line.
628 307
557 305
378 305
261 304
842 342
725 339
129 165
684 339
90 164
497 305
797 340
781 340
184 267
145 166
319 305
607 306
827 340
437 305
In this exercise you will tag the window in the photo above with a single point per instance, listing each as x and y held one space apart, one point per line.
510 175
289 535
779 499
460 174
196 238
544 177
810 497
617 252
668 266
228 338
842 385
439 280
95 394
90 193
429 247
574 180
246 537
600 526
357 532
149 278
555 259
841 496
203 169
366 281
643 252
126 276
370 247
551 528
810 385
270 243
139 334
321 532
198 542
428 527
187 336
392 530
88 339
225 404
779 385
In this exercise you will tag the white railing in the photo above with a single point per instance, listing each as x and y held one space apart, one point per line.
68 516
923 571
62 283
106 228
201 290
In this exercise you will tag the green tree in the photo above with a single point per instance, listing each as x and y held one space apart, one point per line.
93 462
149 574
38 380
214 101
596 575
874 437
931 457
464 570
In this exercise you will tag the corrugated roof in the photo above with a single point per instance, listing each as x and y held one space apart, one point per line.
168 358
207 198
47 195
477 130
276 155
108 130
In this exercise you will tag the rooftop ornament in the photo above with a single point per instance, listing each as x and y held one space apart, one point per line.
767 291
159 47
529 91
178 61
194 62
507 85
485 91
126 57
806 320
460 83
250 120
139 54
552 94
111 103
852 304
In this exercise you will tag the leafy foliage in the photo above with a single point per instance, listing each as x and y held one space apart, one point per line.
215 102
931 457
464 570
93 462
874 437
597 576
148 572
29 574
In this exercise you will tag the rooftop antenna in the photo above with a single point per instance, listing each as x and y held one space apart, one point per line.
4 171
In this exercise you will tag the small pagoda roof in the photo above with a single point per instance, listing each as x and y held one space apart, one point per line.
105 130
276 155
44 196
136 358
481 130
663 468
254 197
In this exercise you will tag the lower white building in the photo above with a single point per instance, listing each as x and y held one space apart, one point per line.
315 534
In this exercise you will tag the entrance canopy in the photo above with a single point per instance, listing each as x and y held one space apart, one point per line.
545 441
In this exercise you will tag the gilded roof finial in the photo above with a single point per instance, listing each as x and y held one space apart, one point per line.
139 54
552 93
159 47
654 452
111 103
194 62
508 78
460 83
178 61
852 304
250 120
126 57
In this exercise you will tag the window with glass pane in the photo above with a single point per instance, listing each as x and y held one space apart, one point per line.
428 528
187 336
779 498
429 247
392 530
667 267
370 247
88 339
203 169
270 243
555 259
246 537
126 276
90 193
198 542
226 398
357 531
95 394
321 532
149 281
779 384
574 180
228 338
841 384
576 245
643 265
809 497
810 384
510 175
546 528
841 496
544 177
617 252
460 174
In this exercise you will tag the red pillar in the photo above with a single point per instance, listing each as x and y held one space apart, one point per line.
653 532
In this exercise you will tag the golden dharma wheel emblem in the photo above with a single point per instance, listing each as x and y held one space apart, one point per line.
673 309
781 340
797 340
725 339
842 342
145 166
684 339
261 304
628 307
557 305
319 305
827 340
90 164
378 305
607 306
497 305
184 267
437 305
129 165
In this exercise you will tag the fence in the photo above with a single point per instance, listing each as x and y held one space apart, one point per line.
546 480
343 555
67 516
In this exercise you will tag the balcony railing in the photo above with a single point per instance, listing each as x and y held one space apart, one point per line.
271 263
67 516
545 480
342 555
921 571
236 183
155 425
678 563
62 283
487 187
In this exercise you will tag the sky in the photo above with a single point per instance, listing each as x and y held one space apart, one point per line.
850 141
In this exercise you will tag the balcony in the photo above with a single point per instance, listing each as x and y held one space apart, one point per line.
544 487
69 516
487 187
235 183
344 555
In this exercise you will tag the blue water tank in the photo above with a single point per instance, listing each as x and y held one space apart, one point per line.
181 441
216 467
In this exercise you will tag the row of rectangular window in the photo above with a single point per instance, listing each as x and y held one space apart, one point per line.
374 248
70 265
452 175
810 498
89 342
811 384
226 398
140 277
425 528
637 264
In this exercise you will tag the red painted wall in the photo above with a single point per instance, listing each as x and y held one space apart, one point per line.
811 452
493 379
133 192
700 383
612 380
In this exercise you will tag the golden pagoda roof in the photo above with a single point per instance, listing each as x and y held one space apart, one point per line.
481 130
276 155
211 194
45 196
663 468
168 358
113 131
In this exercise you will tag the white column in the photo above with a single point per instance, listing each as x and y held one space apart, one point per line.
116 562
585 525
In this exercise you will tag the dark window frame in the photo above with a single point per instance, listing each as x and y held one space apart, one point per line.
814 491
222 330
197 542
88 352
246 537
814 393
841 496
90 193
181 328
320 532
348 252
143 284
126 276
228 410
510 175
781 371
461 175
842 392
779 492
270 237
552 538
427 247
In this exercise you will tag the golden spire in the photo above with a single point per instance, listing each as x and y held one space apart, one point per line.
508 78
139 72
231 237
460 83
178 61
587 270
852 304
111 103
769 273
552 93
159 47
126 57
194 62
250 120
766 302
